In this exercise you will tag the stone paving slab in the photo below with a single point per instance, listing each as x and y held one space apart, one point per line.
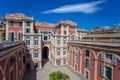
43 74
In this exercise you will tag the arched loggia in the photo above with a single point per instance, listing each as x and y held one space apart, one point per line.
45 55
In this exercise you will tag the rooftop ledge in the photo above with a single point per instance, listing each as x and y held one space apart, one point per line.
110 44
5 45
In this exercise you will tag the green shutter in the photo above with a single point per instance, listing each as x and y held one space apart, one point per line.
11 23
11 75
12 36
20 36
20 23
108 73
86 75
87 53
27 23
87 63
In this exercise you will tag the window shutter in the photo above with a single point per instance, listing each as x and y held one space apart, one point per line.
89 64
77 58
12 39
114 59
102 56
102 70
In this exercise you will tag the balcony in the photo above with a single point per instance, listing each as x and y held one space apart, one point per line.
103 35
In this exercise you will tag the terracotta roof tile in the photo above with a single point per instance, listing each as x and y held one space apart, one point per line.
44 24
17 16
68 22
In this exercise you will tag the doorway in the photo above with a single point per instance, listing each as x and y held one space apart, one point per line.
45 55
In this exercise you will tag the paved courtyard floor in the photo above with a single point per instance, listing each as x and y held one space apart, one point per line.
43 74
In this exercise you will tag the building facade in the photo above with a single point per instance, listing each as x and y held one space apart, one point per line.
40 37
2 28
94 54
12 60
95 61
104 35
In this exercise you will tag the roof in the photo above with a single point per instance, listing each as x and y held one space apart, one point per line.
17 16
44 24
68 22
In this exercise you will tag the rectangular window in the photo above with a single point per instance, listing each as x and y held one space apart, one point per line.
12 60
28 30
109 56
58 41
76 58
87 53
45 37
36 54
27 23
11 36
86 75
58 62
11 23
20 36
68 55
35 66
20 24
64 41
106 72
11 75
58 52
88 64
65 32
79 38
64 61
65 26
64 52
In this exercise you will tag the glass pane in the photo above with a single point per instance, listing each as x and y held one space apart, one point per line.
20 23
27 23
87 53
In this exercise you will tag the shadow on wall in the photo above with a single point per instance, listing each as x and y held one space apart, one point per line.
30 68
45 54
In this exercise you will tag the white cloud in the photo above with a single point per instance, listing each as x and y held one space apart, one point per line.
107 27
90 7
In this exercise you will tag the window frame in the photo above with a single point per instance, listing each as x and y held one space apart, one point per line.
20 24
11 23
36 53
36 41
27 23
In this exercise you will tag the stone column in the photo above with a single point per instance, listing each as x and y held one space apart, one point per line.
95 69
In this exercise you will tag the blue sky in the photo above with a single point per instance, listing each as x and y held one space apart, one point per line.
86 13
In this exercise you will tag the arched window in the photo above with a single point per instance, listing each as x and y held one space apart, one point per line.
36 41
27 41
36 54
